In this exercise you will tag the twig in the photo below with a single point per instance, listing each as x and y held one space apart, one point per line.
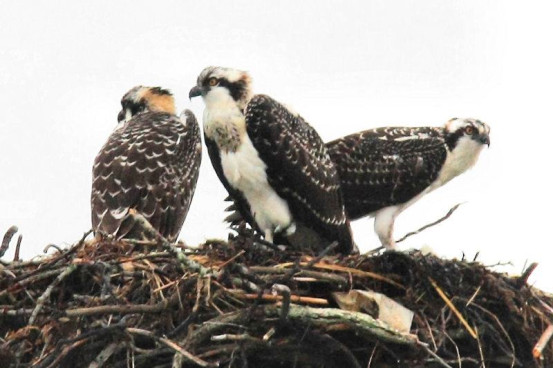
545 305
523 279
61 355
17 248
266 243
457 352
320 276
16 312
184 325
504 331
291 272
98 332
354 271
442 362
235 337
56 247
278 298
430 332
471 299
51 261
188 264
374 251
449 213
482 358
7 238
121 309
285 292
269 334
542 342
37 277
105 354
124 309
453 308
372 355
138 257
231 259
42 299
173 345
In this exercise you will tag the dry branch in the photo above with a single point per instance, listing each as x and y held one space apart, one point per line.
542 342
441 219
325 318
7 239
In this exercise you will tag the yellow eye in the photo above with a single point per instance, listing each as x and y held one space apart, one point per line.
469 130
212 81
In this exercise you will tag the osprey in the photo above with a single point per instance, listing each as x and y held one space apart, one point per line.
385 170
273 164
149 164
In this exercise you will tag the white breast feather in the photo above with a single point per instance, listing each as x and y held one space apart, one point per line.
245 171
243 168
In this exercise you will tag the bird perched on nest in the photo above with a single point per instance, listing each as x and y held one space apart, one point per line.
385 170
273 164
148 166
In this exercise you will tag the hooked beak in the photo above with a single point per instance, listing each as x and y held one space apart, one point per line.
121 116
195 92
484 139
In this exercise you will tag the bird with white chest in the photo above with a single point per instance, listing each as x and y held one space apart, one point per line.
148 166
385 170
273 164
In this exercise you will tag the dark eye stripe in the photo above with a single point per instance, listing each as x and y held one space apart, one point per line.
237 89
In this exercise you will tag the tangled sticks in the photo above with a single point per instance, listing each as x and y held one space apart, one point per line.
238 304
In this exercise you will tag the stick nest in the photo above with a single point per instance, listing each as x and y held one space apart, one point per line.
240 304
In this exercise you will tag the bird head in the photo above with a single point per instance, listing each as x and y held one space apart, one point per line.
467 131
217 84
142 99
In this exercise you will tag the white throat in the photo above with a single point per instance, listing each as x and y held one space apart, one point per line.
223 120
460 159
219 98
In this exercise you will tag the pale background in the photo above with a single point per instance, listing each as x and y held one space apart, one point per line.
345 66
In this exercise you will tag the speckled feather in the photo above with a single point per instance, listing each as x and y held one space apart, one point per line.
150 164
299 168
387 166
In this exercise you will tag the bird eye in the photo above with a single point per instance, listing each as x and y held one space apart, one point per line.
469 130
212 81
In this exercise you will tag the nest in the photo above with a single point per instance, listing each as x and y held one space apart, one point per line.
238 303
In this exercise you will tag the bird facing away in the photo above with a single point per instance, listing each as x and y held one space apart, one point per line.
273 164
149 164
385 170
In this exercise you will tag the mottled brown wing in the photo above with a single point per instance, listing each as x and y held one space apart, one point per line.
299 168
386 166
150 164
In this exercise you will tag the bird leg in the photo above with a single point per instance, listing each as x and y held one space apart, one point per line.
268 234
384 225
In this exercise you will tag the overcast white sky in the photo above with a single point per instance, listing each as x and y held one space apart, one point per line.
345 66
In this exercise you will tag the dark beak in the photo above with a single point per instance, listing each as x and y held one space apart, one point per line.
121 116
484 139
195 92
